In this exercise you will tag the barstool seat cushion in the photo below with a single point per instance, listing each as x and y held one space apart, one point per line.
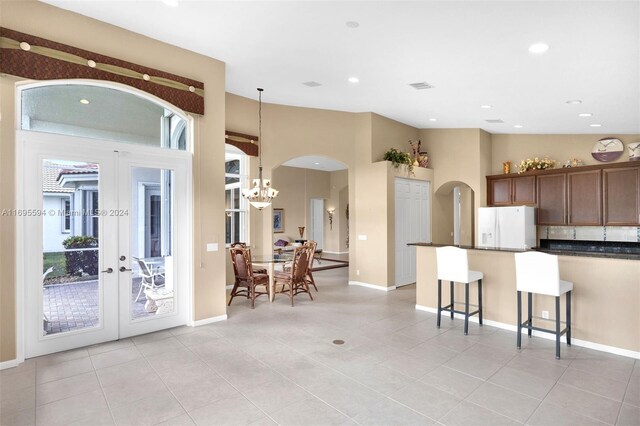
475 276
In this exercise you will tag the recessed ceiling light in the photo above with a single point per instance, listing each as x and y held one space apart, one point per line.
585 114
595 125
574 102
518 126
84 101
354 80
433 119
170 3
352 24
538 48
317 164
486 106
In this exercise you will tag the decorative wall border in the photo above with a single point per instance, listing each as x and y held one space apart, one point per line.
245 143
25 55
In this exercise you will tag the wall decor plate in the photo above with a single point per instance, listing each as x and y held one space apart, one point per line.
634 151
607 149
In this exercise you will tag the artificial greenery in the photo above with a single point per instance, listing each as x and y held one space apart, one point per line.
399 158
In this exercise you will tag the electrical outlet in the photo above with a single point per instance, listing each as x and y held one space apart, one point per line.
545 314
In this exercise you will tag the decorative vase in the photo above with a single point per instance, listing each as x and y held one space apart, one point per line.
301 231
506 167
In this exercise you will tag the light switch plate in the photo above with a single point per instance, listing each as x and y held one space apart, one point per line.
212 246
362 237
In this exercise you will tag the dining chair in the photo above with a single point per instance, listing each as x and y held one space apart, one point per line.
255 270
295 281
312 245
150 276
246 279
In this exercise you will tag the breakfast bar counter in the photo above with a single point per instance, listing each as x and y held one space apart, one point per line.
606 296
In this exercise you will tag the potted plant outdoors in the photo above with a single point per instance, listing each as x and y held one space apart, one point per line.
399 158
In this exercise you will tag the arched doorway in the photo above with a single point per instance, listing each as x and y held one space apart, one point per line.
453 207
106 254
313 204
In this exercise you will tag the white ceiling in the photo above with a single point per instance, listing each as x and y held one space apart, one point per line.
316 162
473 52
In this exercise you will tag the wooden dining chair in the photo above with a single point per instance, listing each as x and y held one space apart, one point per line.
295 281
312 245
255 270
246 280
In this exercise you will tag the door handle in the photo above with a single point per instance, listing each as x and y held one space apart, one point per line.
107 271
123 269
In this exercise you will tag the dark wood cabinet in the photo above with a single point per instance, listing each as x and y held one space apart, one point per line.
552 199
621 190
500 192
524 190
584 195
596 195
509 191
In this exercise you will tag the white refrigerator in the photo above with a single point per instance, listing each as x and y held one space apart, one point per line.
507 227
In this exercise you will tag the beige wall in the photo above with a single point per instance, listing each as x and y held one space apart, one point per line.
56 24
605 314
516 147
335 239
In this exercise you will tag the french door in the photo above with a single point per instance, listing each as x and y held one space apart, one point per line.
106 247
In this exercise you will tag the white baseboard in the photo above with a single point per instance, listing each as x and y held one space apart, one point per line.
208 320
334 252
373 286
9 364
548 336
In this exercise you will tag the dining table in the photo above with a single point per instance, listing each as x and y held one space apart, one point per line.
270 261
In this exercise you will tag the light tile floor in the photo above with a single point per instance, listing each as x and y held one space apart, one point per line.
277 365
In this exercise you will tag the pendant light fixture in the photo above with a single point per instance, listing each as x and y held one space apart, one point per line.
262 193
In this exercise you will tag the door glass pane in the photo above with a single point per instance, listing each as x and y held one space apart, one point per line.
70 284
102 113
152 283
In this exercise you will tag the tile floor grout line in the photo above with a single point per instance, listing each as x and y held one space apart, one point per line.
104 395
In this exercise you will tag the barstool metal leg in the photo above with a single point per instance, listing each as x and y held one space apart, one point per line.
529 313
480 301
519 338
557 327
568 297
466 308
439 302
451 297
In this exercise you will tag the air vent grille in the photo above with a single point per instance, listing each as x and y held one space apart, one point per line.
421 85
312 84
494 120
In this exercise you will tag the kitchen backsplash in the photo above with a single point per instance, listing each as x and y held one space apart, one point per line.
590 233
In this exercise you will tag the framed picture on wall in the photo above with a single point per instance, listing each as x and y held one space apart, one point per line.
278 220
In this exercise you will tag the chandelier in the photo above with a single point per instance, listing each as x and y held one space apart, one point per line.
262 193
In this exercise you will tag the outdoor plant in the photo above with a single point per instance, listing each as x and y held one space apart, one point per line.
399 158
536 164
81 262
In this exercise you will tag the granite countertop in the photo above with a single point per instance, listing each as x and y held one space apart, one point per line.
556 252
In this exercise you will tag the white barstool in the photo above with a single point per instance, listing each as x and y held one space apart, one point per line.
539 273
453 266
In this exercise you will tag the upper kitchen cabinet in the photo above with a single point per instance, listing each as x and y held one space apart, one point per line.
621 190
584 192
508 191
552 199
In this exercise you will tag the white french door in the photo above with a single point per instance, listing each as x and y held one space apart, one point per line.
85 277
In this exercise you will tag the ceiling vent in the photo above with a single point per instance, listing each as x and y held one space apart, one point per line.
421 85
494 120
312 84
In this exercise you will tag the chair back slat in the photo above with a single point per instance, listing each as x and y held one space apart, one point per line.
537 273
300 263
144 268
453 264
312 251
